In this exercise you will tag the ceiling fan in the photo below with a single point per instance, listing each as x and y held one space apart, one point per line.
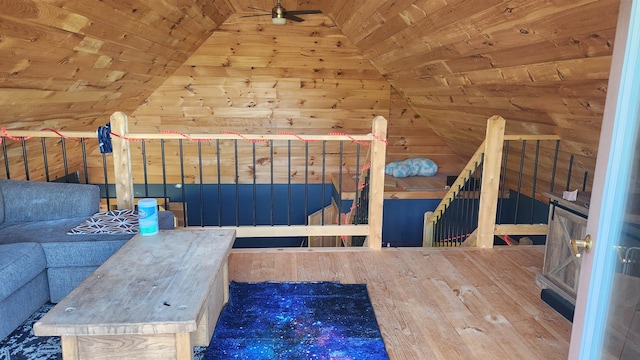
279 14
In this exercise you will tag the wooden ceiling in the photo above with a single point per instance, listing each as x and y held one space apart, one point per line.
543 65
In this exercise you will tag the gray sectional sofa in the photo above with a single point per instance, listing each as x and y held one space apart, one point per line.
39 262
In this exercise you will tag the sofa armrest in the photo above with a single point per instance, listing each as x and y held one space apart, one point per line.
41 201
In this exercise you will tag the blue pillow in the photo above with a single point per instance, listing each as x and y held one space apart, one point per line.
411 167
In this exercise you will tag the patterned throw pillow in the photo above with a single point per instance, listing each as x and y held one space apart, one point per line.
411 167
109 222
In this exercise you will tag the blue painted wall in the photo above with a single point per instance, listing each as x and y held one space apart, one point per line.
402 222
520 210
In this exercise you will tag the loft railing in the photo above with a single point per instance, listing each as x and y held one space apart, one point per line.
132 162
468 213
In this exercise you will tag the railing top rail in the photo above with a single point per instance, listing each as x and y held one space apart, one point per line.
168 135
532 137
48 133
255 137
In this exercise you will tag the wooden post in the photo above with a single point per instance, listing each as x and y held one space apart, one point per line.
376 181
122 161
494 143
427 234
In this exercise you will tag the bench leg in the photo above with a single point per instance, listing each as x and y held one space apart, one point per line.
184 350
225 274
69 347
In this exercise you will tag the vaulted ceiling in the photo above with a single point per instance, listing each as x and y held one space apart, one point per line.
543 65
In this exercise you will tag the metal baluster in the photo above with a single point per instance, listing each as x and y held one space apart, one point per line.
182 189
255 197
64 160
324 158
288 182
272 212
503 180
6 158
569 172
356 197
476 196
458 212
235 146
201 184
467 207
522 157
45 159
144 168
24 159
164 174
535 179
306 183
340 185
219 182
84 161
106 180
555 164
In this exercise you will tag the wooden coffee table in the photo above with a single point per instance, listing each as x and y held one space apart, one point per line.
155 298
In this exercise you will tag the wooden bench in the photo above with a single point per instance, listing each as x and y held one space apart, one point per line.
155 298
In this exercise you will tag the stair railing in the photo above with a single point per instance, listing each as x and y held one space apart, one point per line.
466 216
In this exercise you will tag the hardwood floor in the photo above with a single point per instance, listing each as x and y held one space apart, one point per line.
449 303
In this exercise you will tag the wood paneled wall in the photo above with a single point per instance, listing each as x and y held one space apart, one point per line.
254 77
69 63
408 137
541 65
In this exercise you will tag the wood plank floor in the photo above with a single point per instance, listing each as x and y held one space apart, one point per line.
455 303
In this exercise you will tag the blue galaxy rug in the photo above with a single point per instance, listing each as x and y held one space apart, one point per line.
312 320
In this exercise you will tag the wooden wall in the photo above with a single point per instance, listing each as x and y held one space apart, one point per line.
541 65
408 137
253 77
70 63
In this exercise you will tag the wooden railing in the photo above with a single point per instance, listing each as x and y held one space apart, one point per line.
124 180
488 159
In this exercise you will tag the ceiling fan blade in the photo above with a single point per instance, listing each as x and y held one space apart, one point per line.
255 8
254 15
293 17
303 12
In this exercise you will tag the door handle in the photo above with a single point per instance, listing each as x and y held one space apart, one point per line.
586 244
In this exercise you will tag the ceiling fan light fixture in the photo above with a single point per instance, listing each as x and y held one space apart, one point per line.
278 20
278 15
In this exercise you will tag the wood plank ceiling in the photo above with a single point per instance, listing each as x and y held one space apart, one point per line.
543 65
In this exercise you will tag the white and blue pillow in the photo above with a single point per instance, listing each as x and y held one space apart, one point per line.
411 167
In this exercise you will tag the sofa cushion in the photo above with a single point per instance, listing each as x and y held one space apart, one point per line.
48 231
41 201
81 253
63 280
19 263
71 250
18 306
